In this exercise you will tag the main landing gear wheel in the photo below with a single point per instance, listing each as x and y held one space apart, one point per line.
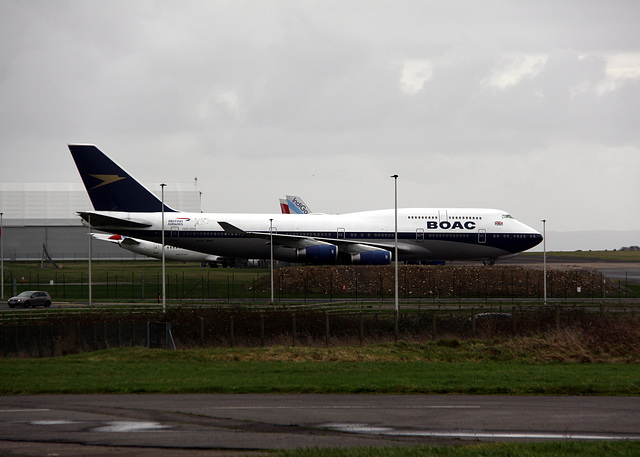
489 262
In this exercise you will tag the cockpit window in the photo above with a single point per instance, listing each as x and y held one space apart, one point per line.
507 216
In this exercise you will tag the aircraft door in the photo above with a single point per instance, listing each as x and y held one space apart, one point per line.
175 232
442 213
482 236
420 234
341 233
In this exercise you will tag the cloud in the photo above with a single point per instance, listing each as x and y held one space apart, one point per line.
471 104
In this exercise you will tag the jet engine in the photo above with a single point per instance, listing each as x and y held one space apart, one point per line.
371 258
322 253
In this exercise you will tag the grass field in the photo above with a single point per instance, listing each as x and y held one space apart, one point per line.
444 366
555 449
390 368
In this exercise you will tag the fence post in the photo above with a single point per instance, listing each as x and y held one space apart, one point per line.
293 323
326 330
79 337
395 326
433 324
513 319
473 321
558 317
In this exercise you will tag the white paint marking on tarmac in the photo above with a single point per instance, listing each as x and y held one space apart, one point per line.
129 426
366 429
53 422
343 407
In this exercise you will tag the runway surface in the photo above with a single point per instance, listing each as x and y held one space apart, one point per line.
625 272
205 424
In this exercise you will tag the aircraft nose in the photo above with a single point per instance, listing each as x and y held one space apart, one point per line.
535 240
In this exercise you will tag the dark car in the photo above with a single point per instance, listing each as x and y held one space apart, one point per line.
31 298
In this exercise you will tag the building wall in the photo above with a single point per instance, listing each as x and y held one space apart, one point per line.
45 213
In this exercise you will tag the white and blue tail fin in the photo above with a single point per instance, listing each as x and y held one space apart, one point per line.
296 205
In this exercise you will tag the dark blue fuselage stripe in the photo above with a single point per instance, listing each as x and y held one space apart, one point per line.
511 242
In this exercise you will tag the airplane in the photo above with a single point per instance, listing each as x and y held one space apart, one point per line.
123 206
150 249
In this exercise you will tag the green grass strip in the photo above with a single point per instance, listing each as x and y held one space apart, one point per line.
555 449
139 370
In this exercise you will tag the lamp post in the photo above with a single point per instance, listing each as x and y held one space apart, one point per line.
395 255
90 257
164 301
271 249
2 257
544 257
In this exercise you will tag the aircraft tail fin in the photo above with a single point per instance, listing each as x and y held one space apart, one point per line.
296 205
284 207
110 188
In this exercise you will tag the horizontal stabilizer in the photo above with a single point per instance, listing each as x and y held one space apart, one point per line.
102 220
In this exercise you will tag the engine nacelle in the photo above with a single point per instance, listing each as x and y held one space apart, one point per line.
371 258
322 253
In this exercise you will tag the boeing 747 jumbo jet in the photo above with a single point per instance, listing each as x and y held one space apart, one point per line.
123 206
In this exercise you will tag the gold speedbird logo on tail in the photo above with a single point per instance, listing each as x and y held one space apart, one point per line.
106 179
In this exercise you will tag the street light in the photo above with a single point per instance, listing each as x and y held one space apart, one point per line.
544 256
395 255
2 257
90 257
271 249
164 302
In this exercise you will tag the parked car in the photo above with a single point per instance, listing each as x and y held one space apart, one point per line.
31 298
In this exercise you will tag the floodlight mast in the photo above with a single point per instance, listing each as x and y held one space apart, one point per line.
395 254
544 257
271 260
90 257
164 300
1 257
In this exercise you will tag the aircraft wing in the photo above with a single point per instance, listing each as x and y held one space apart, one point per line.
297 241
102 220
292 241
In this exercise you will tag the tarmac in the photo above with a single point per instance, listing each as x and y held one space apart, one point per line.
208 424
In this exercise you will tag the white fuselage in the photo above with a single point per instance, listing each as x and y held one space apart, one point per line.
423 233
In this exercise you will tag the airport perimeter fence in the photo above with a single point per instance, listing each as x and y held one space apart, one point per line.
61 333
327 283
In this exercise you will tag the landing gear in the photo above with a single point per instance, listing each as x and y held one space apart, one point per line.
489 262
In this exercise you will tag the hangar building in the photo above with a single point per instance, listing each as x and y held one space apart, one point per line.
43 215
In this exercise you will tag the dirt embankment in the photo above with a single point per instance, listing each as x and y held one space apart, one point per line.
416 281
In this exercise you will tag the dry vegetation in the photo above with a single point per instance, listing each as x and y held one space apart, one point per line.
439 282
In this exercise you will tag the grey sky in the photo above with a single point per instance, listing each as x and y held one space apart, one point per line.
530 107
